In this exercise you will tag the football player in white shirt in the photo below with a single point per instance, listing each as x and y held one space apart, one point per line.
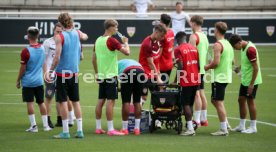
141 7
50 50
179 18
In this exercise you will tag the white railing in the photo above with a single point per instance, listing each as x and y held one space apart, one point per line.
132 15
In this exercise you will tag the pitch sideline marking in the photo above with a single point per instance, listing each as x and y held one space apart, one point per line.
119 108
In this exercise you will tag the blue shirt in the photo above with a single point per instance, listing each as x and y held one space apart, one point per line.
127 64
33 76
70 55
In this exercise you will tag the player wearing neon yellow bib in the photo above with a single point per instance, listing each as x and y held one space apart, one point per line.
200 41
106 68
251 77
221 74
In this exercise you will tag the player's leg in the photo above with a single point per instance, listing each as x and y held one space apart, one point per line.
126 92
252 111
71 114
218 92
31 115
49 93
59 120
28 97
203 119
61 98
137 89
99 107
111 95
198 106
187 98
73 95
39 95
242 109
78 113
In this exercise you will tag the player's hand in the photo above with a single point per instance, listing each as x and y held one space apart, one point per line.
49 76
18 84
160 82
97 79
237 69
206 68
250 89
124 39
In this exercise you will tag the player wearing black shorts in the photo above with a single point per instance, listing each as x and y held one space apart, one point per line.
200 41
30 75
66 65
106 68
132 82
251 78
221 75
188 76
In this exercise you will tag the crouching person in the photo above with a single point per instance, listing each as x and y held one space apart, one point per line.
132 78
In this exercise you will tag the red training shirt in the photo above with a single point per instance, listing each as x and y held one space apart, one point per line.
188 55
166 62
149 48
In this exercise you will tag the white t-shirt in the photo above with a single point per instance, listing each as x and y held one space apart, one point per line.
142 7
50 51
179 21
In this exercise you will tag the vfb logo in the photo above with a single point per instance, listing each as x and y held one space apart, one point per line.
47 27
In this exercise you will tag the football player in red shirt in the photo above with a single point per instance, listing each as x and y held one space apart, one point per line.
149 56
187 59
166 59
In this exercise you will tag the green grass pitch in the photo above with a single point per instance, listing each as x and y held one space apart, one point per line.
14 120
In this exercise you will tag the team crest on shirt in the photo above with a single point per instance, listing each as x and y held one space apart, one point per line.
162 100
131 31
270 30
49 92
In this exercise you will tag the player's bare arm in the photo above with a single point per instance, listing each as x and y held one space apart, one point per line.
154 69
216 60
83 36
254 76
46 47
192 40
125 49
94 61
189 21
22 70
58 52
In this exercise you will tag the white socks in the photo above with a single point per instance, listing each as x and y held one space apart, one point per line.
203 115
253 124
242 123
190 125
125 125
197 117
45 121
32 119
137 124
65 126
223 125
71 116
98 124
79 124
110 125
